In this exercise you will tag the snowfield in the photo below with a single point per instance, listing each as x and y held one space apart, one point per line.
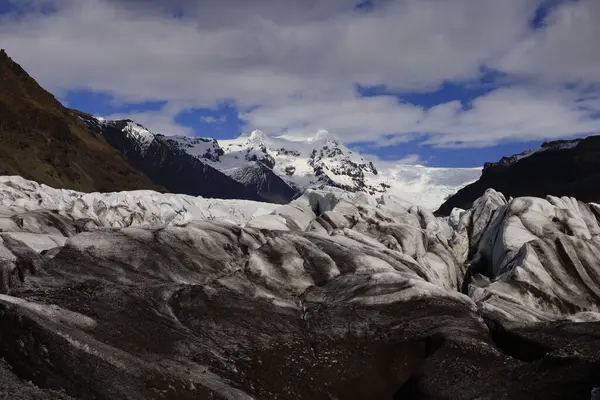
169 296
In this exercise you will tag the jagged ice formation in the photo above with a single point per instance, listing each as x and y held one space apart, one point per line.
336 295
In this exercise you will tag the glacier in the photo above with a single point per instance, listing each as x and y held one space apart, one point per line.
338 294
141 208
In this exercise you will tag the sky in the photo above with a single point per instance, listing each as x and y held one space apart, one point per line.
451 83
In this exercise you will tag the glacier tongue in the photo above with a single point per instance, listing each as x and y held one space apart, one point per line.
171 296
524 259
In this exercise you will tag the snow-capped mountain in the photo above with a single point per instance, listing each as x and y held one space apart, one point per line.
323 160
207 149
168 160
319 161
279 169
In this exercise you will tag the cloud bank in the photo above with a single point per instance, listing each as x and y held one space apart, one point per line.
293 66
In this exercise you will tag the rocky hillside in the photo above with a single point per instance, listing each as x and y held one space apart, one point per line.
560 168
336 295
42 140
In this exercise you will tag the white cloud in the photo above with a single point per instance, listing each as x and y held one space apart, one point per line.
299 61
162 121
513 114
566 50
501 115
409 159
213 120
263 54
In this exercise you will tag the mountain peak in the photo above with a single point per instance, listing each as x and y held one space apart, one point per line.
255 136
323 135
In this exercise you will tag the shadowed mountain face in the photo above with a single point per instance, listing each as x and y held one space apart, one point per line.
560 168
333 296
168 165
261 179
42 140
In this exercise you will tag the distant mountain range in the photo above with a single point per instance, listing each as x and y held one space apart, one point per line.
276 169
40 139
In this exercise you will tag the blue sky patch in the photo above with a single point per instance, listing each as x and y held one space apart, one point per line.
539 19
220 123
102 104
20 8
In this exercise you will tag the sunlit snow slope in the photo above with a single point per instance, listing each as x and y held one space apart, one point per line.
323 160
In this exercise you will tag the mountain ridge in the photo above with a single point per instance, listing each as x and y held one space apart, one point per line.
558 168
287 167
165 163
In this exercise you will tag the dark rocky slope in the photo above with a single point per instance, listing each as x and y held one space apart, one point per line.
170 166
561 168
42 140
263 180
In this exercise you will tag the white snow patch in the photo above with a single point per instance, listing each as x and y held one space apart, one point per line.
140 134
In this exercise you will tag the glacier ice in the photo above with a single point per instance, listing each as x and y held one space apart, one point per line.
321 297
115 210
525 259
